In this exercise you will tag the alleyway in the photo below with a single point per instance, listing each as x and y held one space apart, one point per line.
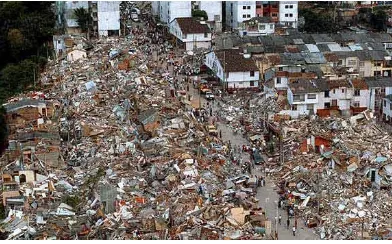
267 195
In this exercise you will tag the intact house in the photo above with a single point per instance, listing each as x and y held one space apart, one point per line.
257 26
236 71
379 87
191 33
304 96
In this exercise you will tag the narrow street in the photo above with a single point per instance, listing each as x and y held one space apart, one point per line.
267 195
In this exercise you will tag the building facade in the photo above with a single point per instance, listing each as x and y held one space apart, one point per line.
169 10
239 11
288 13
108 18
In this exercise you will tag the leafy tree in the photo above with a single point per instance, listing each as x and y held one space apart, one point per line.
83 18
199 13
317 22
378 20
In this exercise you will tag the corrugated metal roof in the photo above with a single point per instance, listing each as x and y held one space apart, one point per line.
312 48
334 47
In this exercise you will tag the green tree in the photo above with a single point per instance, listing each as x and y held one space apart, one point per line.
317 22
199 13
83 18
378 20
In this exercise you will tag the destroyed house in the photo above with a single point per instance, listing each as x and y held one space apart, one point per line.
28 111
149 119
191 33
236 70
379 87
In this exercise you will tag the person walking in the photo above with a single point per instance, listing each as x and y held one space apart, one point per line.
280 219
288 223
294 229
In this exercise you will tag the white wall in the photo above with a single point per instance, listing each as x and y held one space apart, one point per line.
242 76
239 12
108 17
372 94
190 39
363 99
283 82
212 8
268 30
169 10
387 109
283 11
155 7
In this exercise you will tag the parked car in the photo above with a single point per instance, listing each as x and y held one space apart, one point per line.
209 95
257 157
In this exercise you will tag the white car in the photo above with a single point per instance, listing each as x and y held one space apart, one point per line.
209 96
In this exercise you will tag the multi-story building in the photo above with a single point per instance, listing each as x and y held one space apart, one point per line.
169 10
237 12
214 13
108 18
288 13
257 26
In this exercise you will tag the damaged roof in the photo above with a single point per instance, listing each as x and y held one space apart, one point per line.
303 86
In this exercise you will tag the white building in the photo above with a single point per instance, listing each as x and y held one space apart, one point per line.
387 108
288 13
191 33
257 26
108 18
239 11
379 87
76 55
214 13
155 8
235 70
169 10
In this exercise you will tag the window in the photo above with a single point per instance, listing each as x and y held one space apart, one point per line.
327 105
333 91
378 64
291 15
291 6
326 94
248 16
243 7
298 98
205 35
390 106
383 90
271 26
244 16
252 83
286 15
261 27
274 15
294 107
352 62
357 92
280 68
278 80
247 7
310 107
334 102
356 104
311 96
252 74
361 64
342 90
385 103
286 6
377 73
340 62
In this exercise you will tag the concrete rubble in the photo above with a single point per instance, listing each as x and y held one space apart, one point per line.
134 161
